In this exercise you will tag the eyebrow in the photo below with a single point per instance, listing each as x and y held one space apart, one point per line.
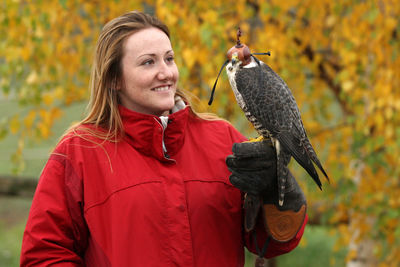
154 55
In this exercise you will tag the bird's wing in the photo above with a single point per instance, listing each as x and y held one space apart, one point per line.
294 147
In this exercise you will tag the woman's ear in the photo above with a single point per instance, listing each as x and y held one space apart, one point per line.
117 85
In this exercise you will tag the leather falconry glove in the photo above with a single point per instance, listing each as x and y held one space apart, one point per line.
253 167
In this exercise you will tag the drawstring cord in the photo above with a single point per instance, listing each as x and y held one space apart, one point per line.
260 259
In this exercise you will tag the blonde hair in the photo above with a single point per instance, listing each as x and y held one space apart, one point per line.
102 110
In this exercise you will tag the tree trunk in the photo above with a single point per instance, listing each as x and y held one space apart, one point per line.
364 251
361 249
17 186
271 263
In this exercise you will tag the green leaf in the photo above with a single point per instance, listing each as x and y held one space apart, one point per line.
63 3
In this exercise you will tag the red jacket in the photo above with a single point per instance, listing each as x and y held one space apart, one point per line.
127 204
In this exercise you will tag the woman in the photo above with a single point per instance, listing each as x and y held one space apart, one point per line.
142 180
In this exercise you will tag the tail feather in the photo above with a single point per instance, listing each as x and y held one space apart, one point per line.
282 161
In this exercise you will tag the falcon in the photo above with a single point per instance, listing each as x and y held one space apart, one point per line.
269 105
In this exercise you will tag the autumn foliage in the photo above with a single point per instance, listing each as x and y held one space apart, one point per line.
340 58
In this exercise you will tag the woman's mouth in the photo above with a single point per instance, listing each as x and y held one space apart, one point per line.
161 89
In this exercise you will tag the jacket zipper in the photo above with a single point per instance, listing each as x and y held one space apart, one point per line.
164 123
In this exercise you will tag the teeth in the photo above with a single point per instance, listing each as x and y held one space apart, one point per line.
160 89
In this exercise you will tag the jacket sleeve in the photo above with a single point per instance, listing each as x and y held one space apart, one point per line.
56 232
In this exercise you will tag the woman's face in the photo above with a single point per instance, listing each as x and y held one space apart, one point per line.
149 73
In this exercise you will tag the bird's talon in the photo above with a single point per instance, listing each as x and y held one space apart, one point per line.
258 139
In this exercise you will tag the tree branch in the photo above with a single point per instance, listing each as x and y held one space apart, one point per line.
323 74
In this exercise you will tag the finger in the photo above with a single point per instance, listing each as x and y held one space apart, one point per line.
252 182
244 185
230 161
249 164
254 149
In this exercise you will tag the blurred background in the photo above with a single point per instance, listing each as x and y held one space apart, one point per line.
340 58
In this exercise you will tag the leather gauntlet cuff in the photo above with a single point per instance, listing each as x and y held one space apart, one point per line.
283 222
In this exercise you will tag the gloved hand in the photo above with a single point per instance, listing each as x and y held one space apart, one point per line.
253 167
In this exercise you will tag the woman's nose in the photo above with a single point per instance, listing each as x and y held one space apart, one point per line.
165 72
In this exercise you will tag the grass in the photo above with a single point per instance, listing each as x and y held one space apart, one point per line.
315 250
13 214
10 244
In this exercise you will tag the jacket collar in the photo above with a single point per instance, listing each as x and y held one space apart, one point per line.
147 134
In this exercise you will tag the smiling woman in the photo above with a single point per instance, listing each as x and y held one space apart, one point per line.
142 180
150 74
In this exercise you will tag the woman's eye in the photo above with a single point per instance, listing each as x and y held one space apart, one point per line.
170 59
148 62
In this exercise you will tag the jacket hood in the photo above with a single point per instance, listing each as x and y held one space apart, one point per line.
147 134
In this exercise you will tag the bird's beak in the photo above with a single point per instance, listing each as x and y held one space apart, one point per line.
234 60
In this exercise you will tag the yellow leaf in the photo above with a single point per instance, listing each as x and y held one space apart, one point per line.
330 21
391 23
188 57
347 86
210 16
59 92
44 130
47 99
29 119
351 255
56 113
32 78
389 132
15 124
39 32
25 53
389 113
